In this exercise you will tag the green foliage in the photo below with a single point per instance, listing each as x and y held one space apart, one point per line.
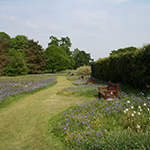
54 41
129 65
81 58
123 50
16 67
125 68
125 140
19 42
65 44
34 57
105 70
57 58
71 62
141 66
4 36
113 72
4 54
84 70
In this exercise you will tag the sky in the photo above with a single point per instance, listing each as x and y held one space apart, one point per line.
95 26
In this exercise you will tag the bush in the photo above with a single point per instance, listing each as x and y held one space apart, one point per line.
84 70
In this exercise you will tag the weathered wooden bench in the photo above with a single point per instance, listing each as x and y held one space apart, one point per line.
111 90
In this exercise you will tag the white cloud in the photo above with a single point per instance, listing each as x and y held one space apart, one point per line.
29 23
8 17
97 26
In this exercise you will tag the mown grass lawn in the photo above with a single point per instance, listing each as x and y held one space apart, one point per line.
24 122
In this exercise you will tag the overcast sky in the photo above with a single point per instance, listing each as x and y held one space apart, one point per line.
95 26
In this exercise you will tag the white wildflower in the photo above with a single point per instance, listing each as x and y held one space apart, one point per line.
144 104
134 112
148 109
124 111
139 113
128 102
132 107
138 126
132 115
139 107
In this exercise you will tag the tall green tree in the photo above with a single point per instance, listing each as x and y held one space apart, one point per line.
4 54
81 58
34 57
65 44
54 41
18 44
57 58
17 66
4 36
74 53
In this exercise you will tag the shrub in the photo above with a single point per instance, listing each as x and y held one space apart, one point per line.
84 70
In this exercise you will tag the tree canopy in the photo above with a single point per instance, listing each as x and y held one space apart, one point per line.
122 50
81 58
34 57
65 44
57 58
17 66
4 55
4 36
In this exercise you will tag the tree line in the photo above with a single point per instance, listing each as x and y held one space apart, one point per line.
20 55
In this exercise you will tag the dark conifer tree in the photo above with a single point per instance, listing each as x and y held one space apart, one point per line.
34 57
4 55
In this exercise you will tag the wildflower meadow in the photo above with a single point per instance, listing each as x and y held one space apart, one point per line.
15 85
121 123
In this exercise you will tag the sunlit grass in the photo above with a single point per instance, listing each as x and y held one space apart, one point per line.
24 122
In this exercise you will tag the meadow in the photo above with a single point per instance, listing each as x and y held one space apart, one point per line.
12 86
121 123
69 115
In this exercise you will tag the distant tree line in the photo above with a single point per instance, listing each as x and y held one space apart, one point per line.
21 56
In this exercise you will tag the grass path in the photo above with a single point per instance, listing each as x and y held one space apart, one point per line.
24 123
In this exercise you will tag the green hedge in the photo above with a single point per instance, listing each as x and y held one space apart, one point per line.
129 67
